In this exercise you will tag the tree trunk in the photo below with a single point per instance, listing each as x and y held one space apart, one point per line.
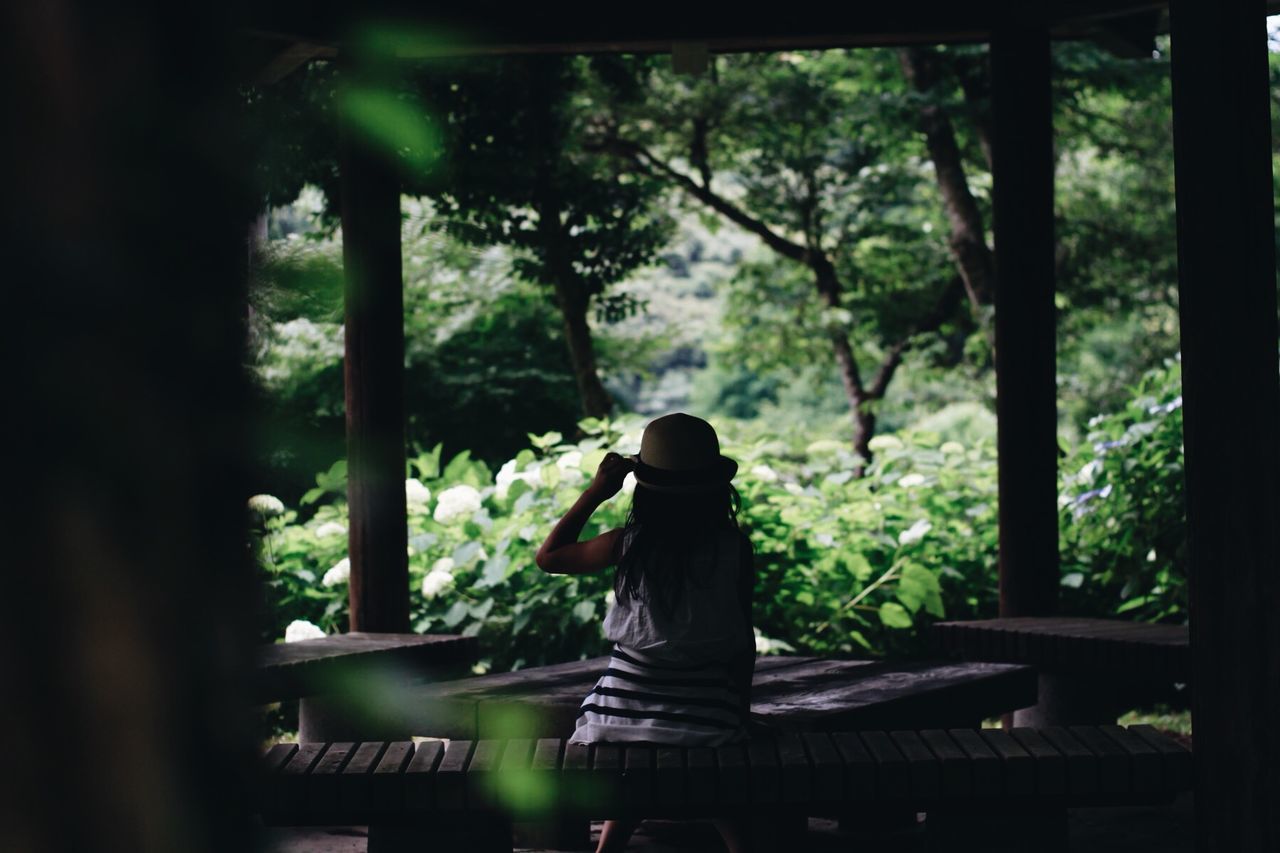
967 240
596 402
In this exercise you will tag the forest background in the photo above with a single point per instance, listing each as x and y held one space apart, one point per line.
794 245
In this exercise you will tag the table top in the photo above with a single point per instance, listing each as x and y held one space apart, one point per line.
792 693
327 664
1130 650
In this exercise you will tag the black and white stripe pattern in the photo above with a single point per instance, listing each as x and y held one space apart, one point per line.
639 698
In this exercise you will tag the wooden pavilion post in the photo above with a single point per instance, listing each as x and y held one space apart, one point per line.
1026 393
374 375
1231 421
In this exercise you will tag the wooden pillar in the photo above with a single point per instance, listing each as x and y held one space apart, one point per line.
1026 393
1231 415
374 375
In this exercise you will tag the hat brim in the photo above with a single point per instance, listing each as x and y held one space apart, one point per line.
696 480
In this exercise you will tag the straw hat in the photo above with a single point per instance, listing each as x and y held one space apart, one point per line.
681 453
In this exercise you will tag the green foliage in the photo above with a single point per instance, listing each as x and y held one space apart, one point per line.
1123 515
845 565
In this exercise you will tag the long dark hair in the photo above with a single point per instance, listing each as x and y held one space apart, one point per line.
662 534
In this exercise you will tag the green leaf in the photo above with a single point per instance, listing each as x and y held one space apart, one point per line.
894 615
456 614
313 495
585 611
550 474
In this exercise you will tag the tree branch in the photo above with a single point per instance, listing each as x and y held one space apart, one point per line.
648 161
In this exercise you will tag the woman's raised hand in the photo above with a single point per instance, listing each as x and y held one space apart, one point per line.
609 476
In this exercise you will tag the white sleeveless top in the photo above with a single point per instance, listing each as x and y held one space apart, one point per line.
707 622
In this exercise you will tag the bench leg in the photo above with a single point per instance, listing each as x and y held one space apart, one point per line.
472 835
1013 829
1068 700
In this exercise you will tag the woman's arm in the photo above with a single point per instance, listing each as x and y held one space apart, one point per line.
562 553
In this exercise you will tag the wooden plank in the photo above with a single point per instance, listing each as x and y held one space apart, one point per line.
1017 767
450 779
796 771
984 765
276 757
1082 764
702 774
606 773
637 777
1178 765
485 759
955 777
576 793
356 782
828 768
670 781
1050 765
391 793
733 785
291 797
766 784
1114 766
923 769
1147 766
892 778
322 781
859 767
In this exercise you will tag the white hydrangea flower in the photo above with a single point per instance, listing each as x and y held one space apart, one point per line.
340 572
330 528
456 501
765 473
884 442
572 459
910 481
610 599
950 447
444 564
435 582
301 629
826 540
267 506
416 494
629 483
914 533
508 474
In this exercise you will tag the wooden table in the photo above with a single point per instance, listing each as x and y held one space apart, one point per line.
335 676
793 693
1090 668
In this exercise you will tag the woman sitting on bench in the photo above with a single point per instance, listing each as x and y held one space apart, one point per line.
684 648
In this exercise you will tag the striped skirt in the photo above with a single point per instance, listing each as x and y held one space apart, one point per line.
642 699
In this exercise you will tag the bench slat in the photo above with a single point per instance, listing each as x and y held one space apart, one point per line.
1178 765
700 775
322 781
575 783
733 785
859 766
389 794
1082 764
954 775
766 784
1050 765
891 768
1016 764
291 792
637 776
984 765
606 773
450 791
828 768
1147 768
485 760
670 779
356 783
923 769
275 757
796 771
1114 766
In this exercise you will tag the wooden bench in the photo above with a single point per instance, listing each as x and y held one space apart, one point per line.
973 784
333 676
1091 669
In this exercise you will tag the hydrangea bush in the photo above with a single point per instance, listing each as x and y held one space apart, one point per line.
845 565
